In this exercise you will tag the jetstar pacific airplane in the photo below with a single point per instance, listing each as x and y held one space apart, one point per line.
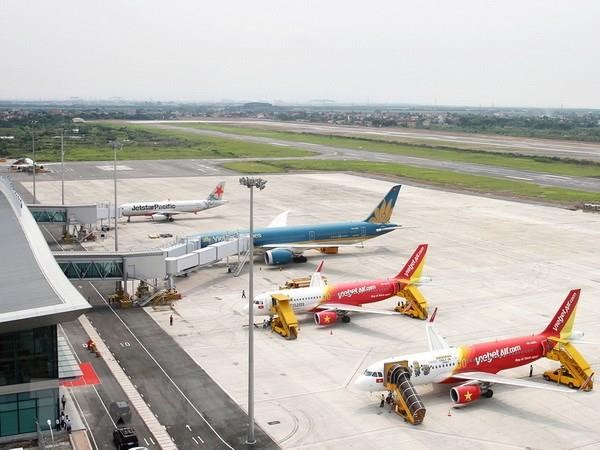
283 244
329 302
476 366
165 210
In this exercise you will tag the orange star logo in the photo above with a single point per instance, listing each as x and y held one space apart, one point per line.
468 396
327 319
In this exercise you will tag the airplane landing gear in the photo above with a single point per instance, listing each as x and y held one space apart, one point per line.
346 319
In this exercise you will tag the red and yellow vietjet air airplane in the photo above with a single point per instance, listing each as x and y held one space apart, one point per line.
328 302
476 366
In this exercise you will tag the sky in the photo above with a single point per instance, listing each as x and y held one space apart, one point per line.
478 53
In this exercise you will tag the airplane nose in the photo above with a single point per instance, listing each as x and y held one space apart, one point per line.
362 383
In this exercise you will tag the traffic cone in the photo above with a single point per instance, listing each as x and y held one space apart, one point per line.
331 332
449 413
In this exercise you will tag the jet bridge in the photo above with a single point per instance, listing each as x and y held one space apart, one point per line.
65 214
110 265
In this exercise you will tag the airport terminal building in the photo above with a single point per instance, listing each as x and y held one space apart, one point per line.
35 297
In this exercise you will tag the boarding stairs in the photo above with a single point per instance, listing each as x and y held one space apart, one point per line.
415 306
576 365
150 298
284 321
240 265
406 401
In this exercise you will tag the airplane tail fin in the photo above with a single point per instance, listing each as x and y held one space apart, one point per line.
561 324
316 280
414 266
383 212
217 192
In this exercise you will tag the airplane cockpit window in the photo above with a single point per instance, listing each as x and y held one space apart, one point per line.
374 374
368 373
380 375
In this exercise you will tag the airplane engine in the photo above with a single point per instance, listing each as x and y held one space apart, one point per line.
278 256
325 318
159 217
468 393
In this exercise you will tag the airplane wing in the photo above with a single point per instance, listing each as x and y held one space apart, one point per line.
352 308
484 377
309 246
434 339
280 220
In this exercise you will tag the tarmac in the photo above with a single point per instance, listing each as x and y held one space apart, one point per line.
499 269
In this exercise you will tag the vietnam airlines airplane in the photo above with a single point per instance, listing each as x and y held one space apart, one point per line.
165 210
284 244
330 302
476 366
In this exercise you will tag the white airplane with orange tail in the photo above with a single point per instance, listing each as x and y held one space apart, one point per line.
330 302
475 367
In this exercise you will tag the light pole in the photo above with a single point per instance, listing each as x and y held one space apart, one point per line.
62 165
251 183
33 150
115 144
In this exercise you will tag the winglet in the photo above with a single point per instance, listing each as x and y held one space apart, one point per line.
432 317
280 220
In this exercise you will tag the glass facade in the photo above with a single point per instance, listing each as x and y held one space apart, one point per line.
19 412
26 357
29 355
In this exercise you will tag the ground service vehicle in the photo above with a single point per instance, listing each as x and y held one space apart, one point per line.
125 438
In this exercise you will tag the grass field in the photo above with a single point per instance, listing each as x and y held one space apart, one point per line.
509 160
434 177
145 142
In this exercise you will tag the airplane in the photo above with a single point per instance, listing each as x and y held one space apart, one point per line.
165 210
284 244
330 302
22 165
475 366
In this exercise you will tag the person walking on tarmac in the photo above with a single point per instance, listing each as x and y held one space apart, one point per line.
243 293
382 401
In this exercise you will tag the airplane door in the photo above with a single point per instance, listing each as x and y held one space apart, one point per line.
311 235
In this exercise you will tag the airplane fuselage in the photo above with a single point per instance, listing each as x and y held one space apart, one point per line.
309 299
168 207
440 365
340 232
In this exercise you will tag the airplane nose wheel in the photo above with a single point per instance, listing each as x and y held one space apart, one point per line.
346 319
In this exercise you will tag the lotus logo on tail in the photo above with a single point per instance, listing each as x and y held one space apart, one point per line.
383 214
